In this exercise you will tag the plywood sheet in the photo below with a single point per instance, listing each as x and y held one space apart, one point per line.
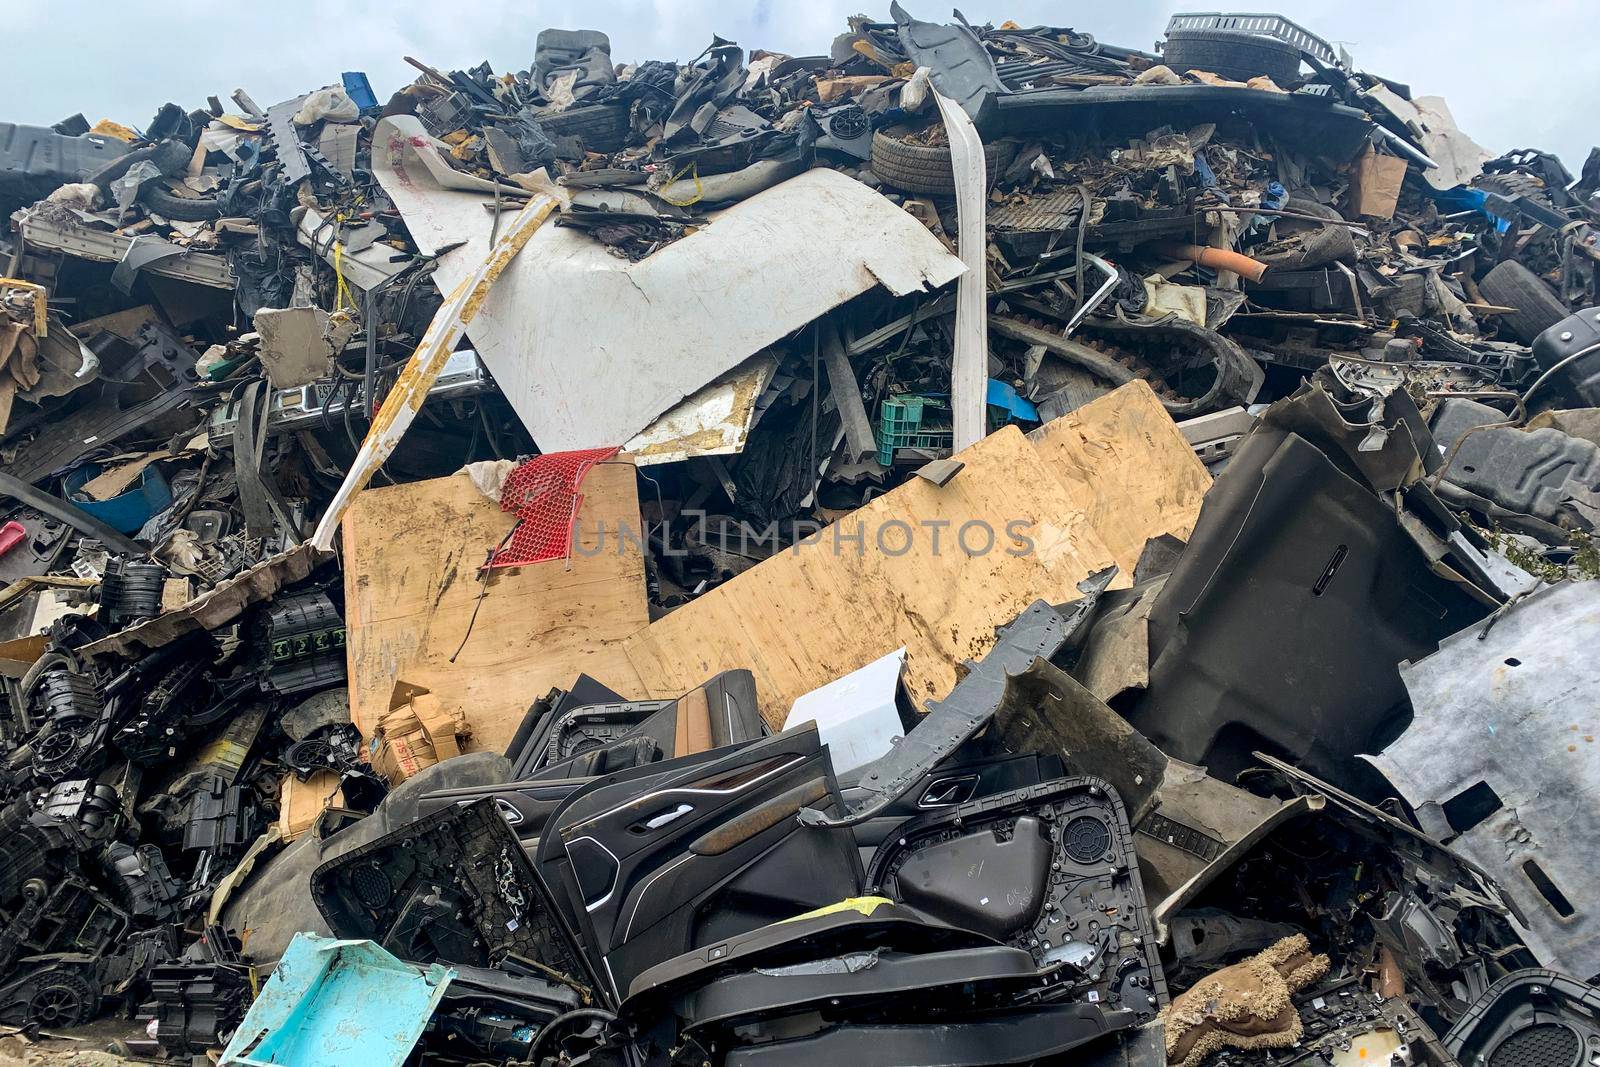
1085 491
813 613
1122 460
412 554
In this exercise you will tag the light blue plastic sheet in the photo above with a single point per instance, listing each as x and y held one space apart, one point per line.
338 1004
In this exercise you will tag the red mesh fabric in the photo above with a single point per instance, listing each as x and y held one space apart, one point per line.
544 492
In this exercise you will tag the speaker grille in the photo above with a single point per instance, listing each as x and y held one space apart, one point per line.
1086 839
1540 1045
372 885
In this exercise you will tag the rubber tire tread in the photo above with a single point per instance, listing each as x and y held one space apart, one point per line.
1235 56
926 170
1511 185
1510 284
179 208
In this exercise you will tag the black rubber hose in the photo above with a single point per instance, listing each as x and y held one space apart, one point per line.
561 1020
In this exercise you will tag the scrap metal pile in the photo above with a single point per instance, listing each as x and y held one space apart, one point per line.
979 546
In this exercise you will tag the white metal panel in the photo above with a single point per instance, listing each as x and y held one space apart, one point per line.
590 348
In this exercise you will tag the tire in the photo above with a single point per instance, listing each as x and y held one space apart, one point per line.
1324 245
179 208
1235 56
922 169
602 127
1510 284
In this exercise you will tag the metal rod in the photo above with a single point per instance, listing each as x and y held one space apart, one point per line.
1401 145
1097 299
1225 209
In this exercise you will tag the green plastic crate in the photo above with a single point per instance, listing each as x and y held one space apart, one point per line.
900 425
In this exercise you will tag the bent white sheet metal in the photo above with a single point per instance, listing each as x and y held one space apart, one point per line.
590 348
715 421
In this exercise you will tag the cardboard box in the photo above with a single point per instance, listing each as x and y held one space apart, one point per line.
1375 185
300 803
417 732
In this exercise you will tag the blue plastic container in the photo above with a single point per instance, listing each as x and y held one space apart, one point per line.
126 512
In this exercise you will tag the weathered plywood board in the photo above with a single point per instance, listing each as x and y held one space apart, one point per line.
412 554
813 613
1123 461
1082 492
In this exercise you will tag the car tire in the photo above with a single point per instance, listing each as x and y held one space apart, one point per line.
926 169
175 208
170 157
1510 284
1235 56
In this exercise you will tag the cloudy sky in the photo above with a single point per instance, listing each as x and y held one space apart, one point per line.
1515 75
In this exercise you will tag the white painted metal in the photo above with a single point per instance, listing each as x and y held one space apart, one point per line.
969 370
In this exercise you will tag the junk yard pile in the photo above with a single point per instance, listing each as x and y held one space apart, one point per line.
976 546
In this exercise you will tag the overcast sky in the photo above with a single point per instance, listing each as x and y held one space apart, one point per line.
1516 75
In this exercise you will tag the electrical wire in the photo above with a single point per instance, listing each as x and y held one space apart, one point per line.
488 432
472 442
483 588
661 503
347 398
199 487
327 403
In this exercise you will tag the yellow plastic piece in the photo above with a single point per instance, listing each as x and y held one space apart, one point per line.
865 905
107 128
